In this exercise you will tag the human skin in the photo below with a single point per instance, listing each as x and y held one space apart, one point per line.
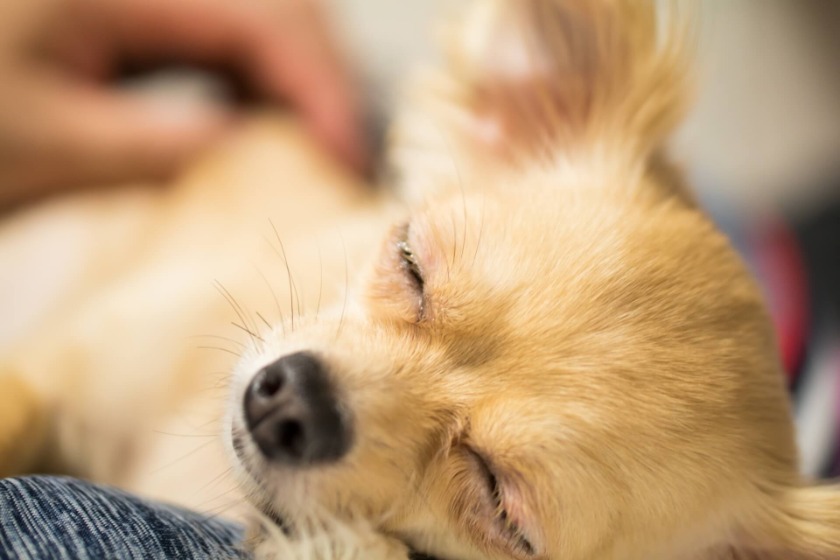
64 122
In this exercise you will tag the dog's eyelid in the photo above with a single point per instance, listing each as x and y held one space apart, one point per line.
511 531
412 268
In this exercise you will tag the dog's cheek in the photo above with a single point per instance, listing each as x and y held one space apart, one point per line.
397 438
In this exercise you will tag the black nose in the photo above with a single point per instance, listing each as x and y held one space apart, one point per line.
292 413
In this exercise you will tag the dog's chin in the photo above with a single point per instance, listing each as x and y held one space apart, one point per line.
255 470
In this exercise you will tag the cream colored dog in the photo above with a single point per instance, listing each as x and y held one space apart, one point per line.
550 353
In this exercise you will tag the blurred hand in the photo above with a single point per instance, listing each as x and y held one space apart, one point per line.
64 123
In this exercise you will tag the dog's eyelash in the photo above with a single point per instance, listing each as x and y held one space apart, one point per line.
411 265
509 529
412 268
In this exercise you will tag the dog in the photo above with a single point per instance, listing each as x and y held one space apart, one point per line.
548 352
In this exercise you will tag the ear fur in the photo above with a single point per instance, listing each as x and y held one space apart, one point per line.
538 80
808 522
798 524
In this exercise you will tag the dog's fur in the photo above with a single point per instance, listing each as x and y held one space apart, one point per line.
583 338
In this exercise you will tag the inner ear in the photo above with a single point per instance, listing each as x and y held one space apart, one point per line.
542 73
531 71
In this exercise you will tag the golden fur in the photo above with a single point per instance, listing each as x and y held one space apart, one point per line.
585 339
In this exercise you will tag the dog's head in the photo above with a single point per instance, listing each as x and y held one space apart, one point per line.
556 355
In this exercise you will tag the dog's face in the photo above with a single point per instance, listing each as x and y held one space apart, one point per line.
530 373
556 355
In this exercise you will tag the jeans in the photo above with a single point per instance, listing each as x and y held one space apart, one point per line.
64 518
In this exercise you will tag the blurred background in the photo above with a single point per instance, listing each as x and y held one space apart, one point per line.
762 146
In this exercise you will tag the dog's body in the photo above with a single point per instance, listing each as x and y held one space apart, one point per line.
555 355
163 263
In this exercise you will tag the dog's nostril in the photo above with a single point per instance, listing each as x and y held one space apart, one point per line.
268 383
266 391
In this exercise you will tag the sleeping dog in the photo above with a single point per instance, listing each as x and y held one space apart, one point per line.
545 350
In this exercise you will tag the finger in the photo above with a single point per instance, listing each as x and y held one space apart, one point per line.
287 53
89 136
306 66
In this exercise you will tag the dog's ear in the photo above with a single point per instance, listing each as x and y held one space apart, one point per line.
795 524
549 72
544 79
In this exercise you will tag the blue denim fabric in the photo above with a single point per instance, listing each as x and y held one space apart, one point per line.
64 518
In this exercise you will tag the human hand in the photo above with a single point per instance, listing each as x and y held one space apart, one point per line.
63 122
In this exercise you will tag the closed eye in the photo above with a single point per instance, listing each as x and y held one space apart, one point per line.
504 525
411 268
